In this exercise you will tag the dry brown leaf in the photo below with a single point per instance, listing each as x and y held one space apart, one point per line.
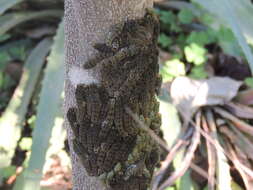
245 97
189 94
240 110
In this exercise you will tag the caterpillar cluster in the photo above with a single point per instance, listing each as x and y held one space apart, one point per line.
107 140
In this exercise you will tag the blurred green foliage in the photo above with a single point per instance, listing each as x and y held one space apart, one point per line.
189 36
249 81
195 54
25 143
180 43
185 16
23 49
186 35
172 68
8 171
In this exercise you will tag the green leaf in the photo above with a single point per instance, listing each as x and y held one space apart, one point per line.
171 125
4 58
185 16
175 27
18 53
234 22
6 4
25 143
164 40
181 40
235 186
235 14
185 182
14 115
206 19
31 121
10 20
225 34
228 41
48 110
4 37
6 82
249 81
198 72
170 20
201 38
1 79
167 17
8 171
223 169
15 50
170 188
195 54
171 69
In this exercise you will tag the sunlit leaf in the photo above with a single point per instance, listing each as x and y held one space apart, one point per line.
170 188
25 143
13 117
195 54
48 109
171 125
171 69
223 171
31 121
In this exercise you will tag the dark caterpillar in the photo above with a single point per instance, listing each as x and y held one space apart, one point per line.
107 140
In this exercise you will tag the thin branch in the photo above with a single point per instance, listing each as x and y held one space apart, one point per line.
246 179
145 128
237 122
188 157
165 164
217 145
211 155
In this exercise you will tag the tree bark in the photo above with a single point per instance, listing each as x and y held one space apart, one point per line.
87 21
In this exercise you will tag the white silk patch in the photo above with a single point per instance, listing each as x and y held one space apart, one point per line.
78 75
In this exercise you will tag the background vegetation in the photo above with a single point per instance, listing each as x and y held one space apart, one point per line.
199 40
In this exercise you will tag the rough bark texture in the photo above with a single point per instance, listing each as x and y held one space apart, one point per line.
87 21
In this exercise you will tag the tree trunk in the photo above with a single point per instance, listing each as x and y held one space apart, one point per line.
86 22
